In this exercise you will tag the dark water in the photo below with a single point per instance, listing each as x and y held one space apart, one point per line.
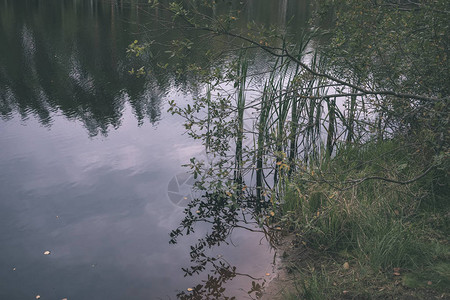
90 162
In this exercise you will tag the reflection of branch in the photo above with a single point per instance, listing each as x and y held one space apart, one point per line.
240 274
249 229
249 276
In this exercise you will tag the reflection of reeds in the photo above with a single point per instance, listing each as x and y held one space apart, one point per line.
288 123
242 77
296 121
262 136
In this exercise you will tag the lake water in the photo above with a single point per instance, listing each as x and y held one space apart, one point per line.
90 161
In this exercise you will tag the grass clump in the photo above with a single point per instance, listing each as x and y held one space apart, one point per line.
374 221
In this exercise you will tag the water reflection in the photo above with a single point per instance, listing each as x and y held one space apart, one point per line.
68 57
224 214
101 204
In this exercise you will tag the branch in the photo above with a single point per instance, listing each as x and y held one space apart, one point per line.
285 53
359 181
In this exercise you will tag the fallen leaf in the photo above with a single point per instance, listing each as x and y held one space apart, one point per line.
198 211
346 266
344 292
429 283
190 289
14 269
267 274
64 299
272 213
46 252
396 273
396 269
38 297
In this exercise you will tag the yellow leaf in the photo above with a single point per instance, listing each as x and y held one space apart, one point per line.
190 289
346 266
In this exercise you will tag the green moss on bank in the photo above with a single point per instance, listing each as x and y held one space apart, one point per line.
374 222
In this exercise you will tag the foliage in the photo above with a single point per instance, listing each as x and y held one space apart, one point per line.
343 139
399 46
387 231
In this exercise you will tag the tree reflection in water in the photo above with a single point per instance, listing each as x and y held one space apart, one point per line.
223 213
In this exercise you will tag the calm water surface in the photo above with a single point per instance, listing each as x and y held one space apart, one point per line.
90 162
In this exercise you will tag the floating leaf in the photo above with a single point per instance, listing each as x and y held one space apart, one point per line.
38 297
46 252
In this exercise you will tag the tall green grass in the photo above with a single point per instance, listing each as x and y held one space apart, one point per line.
378 226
